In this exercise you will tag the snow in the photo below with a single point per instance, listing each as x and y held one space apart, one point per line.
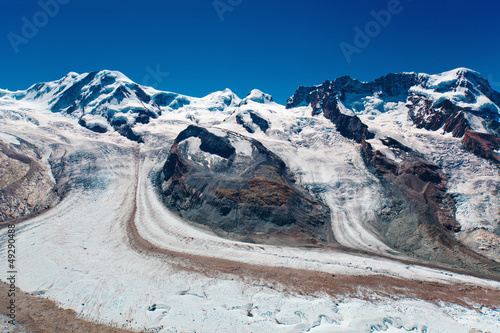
446 78
243 147
257 96
192 147
344 110
451 86
472 181
8 139
92 120
78 253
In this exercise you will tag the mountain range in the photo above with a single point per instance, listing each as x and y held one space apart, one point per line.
404 167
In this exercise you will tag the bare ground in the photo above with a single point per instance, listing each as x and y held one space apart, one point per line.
45 316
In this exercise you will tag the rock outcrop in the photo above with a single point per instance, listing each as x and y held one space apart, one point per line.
26 184
240 189
484 145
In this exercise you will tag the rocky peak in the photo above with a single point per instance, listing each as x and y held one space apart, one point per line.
456 101
390 85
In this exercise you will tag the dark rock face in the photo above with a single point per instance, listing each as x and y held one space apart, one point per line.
255 119
241 121
244 193
210 142
389 85
350 127
259 121
420 180
425 114
483 145
94 127
456 124
127 131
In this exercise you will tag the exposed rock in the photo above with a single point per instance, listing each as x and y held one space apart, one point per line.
93 127
394 144
250 121
241 120
127 131
419 217
429 115
457 125
389 85
484 145
259 121
417 177
238 188
445 100
421 214
349 126
422 112
26 183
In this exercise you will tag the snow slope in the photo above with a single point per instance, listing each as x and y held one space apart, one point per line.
79 254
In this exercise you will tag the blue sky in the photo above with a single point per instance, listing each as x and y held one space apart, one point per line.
274 46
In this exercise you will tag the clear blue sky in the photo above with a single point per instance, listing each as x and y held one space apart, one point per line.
274 46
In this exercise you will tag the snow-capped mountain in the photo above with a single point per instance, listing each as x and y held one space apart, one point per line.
396 179
433 101
107 100
453 101
460 102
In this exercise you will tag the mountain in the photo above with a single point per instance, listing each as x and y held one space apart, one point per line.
107 100
238 187
432 100
453 102
352 195
408 132
384 116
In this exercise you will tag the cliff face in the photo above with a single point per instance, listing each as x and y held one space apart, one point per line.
26 183
350 126
238 188
390 85
484 145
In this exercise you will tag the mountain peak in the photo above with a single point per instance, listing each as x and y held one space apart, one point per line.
431 100
464 71
257 96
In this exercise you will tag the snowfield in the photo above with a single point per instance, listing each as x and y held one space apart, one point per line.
80 254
